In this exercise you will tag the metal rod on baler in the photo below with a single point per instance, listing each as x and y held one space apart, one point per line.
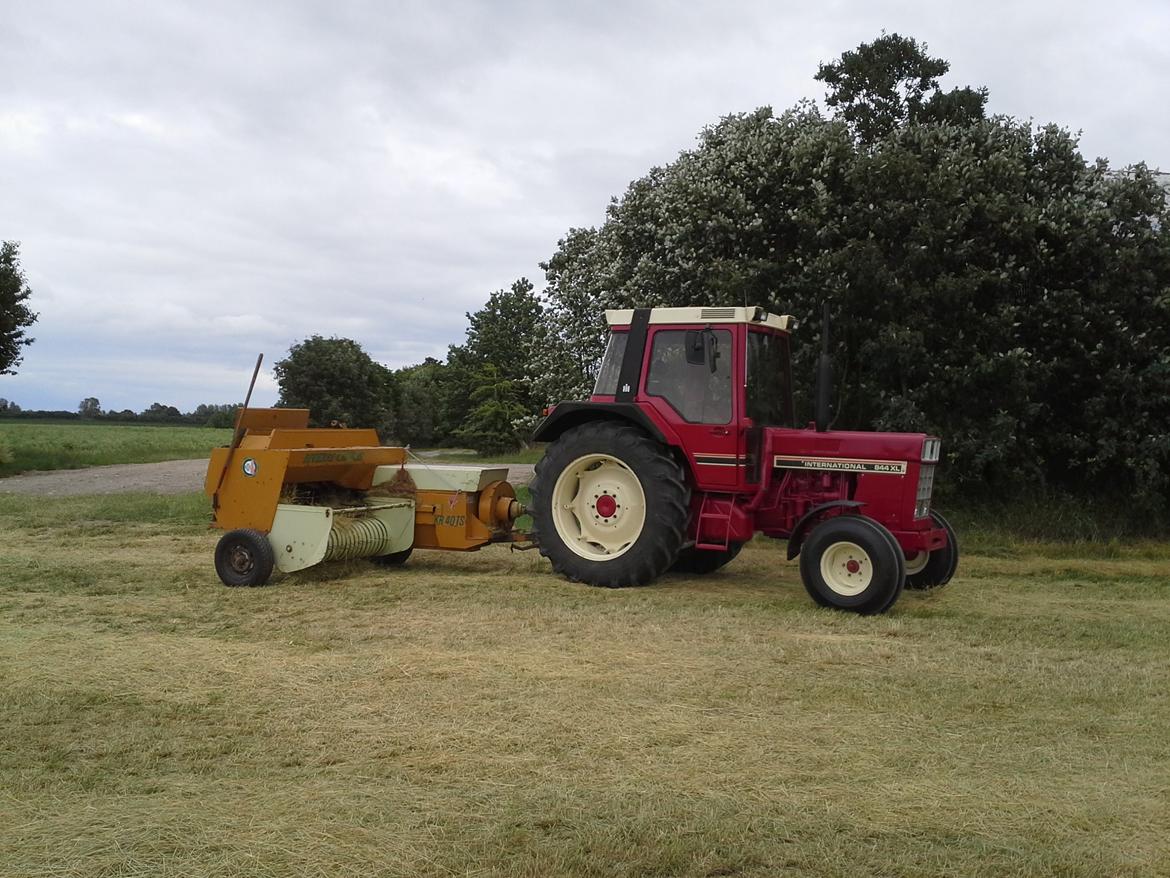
237 436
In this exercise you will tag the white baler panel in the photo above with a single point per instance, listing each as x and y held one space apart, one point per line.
444 477
300 534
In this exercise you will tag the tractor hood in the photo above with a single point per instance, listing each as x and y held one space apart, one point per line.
850 451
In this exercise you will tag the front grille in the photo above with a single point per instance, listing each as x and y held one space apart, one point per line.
925 486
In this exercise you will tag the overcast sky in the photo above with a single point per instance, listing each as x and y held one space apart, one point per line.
195 183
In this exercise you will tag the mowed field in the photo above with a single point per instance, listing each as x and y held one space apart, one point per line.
475 715
29 446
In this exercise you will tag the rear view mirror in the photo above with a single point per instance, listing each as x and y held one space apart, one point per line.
702 348
696 348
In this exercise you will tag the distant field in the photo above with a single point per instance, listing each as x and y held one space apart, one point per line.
29 447
476 715
25 447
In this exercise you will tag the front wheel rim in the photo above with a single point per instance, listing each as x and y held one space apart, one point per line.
846 568
918 563
598 507
240 560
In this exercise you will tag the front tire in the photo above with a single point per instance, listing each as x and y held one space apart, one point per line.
244 557
609 505
851 562
934 569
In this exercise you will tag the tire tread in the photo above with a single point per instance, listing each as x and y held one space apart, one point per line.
665 526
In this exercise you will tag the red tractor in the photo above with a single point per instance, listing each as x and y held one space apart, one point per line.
688 447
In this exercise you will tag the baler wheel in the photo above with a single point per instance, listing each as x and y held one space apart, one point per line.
703 561
244 557
609 505
394 559
851 562
934 569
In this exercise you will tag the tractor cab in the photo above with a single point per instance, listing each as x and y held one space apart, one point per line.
714 377
688 447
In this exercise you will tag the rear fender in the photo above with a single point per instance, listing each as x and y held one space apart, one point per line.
572 414
811 517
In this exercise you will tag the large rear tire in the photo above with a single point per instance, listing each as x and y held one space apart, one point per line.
703 561
609 505
850 562
934 569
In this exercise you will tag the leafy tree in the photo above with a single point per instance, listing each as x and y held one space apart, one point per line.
455 382
501 336
420 403
568 341
15 315
891 82
500 333
337 381
215 415
90 407
986 282
161 413
498 420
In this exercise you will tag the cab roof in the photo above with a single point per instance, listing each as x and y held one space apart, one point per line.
705 315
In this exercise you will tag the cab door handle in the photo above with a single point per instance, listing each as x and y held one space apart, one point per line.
720 431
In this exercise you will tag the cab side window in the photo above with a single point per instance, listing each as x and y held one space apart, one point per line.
699 395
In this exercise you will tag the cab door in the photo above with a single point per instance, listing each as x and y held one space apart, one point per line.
689 383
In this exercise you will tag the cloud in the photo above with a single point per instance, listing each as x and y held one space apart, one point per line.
196 182
21 132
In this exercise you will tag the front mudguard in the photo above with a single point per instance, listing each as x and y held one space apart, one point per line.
810 518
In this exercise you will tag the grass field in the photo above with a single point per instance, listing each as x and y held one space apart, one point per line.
474 715
26 446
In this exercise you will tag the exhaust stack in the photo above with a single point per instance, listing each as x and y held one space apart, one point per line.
824 409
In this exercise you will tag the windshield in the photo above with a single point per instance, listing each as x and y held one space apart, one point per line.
769 382
611 365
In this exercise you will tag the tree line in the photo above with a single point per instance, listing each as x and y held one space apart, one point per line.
481 395
986 282
90 409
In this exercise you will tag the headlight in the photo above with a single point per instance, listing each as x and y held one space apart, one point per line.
925 488
930 450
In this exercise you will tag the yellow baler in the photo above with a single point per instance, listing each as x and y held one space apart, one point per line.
290 496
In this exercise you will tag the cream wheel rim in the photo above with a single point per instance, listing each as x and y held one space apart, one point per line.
846 568
918 563
598 507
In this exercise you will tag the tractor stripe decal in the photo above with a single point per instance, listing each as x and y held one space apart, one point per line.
718 459
841 464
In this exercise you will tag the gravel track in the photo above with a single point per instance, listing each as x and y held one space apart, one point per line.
169 477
